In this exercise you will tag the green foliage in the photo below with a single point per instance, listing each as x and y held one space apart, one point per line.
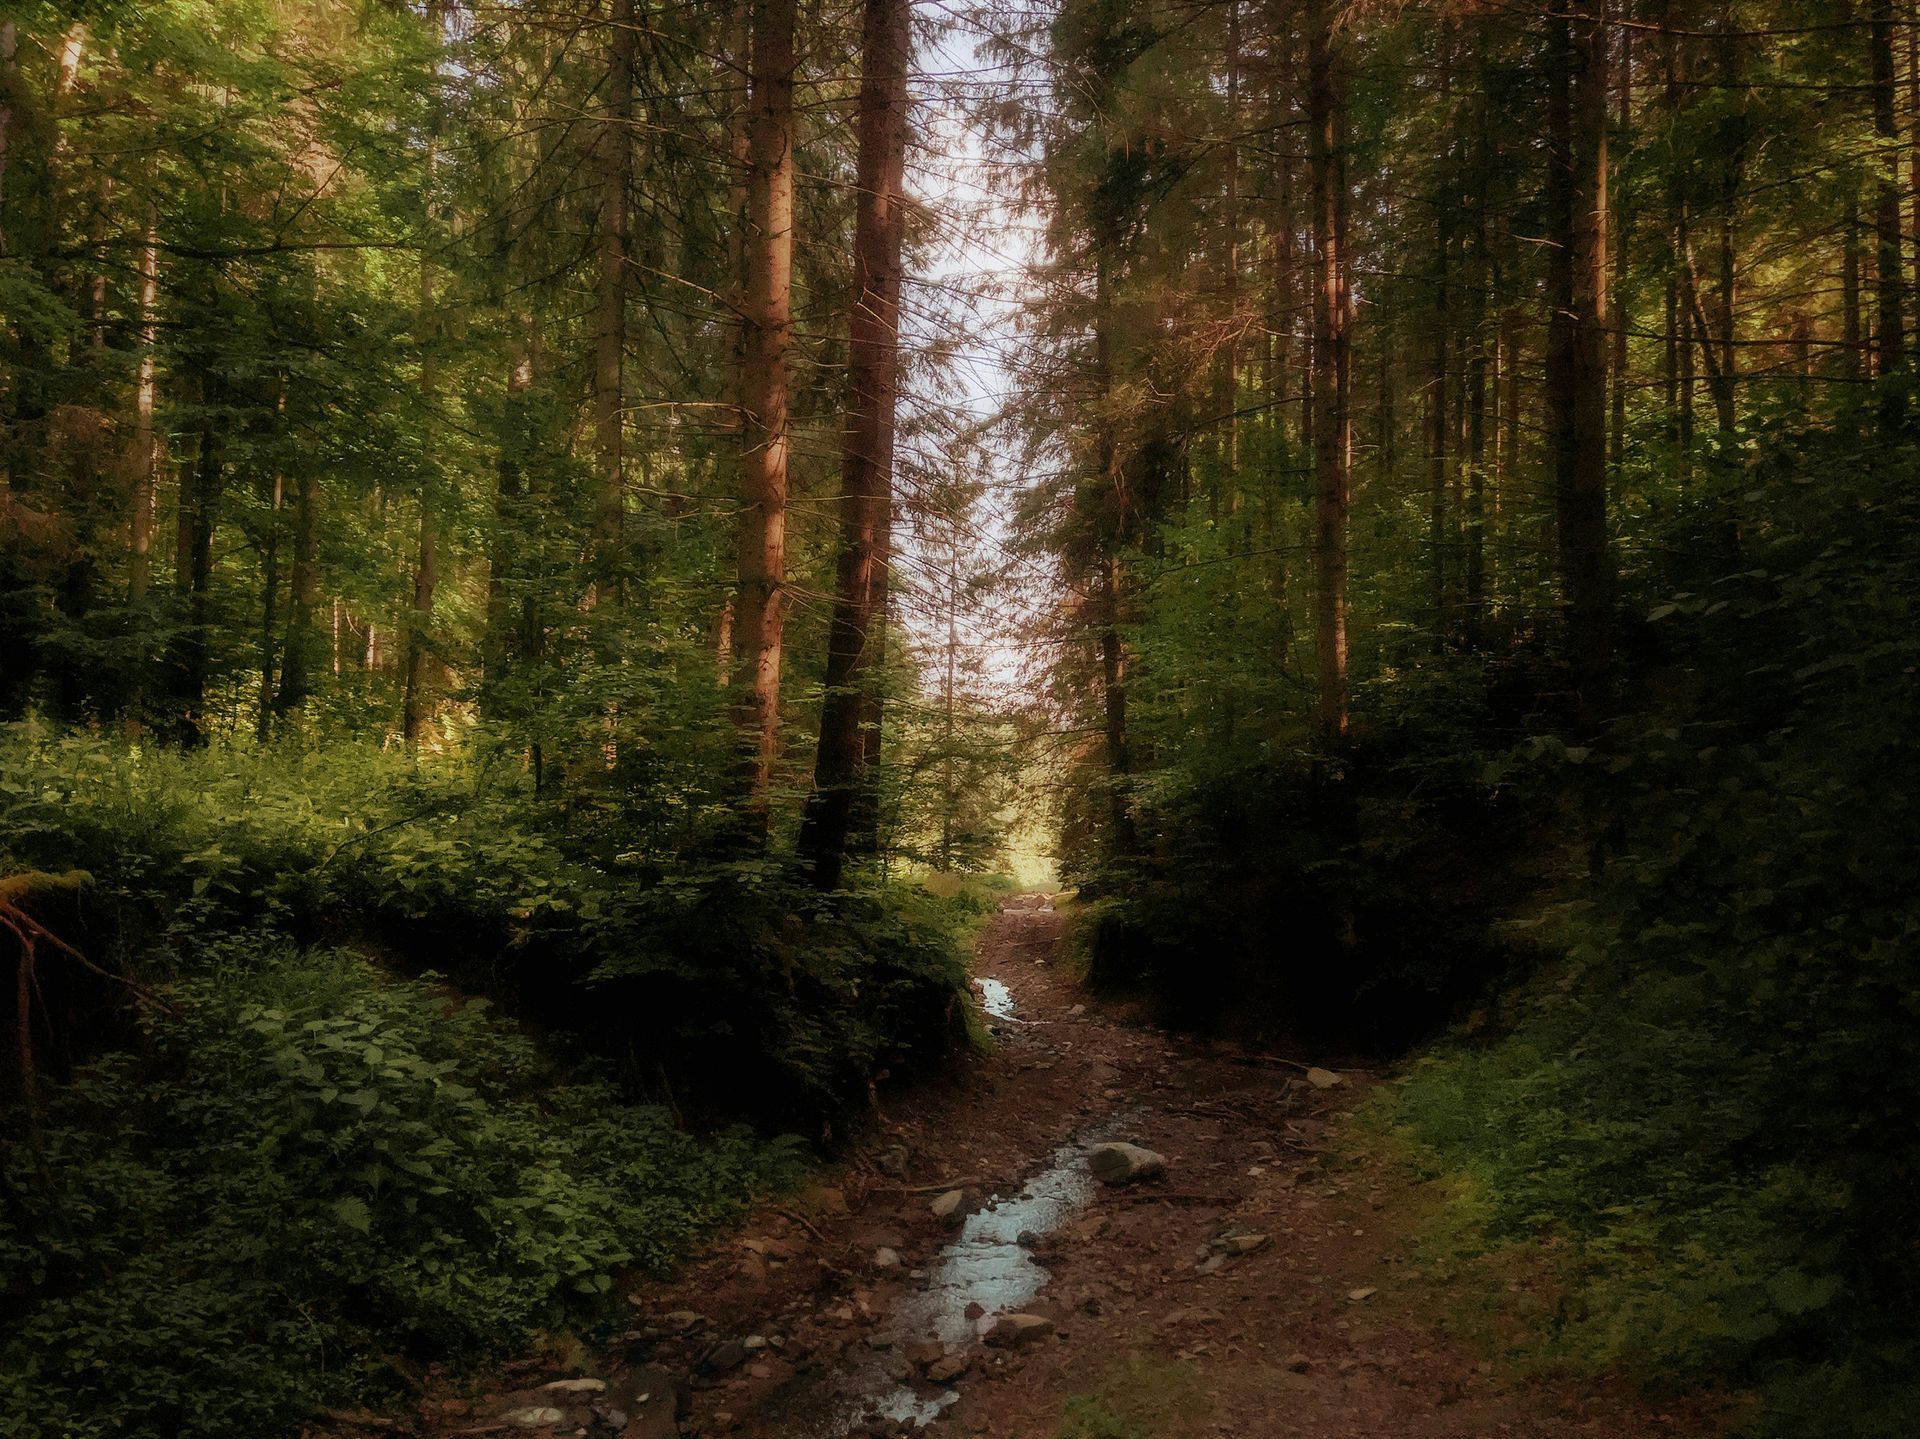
1709 1100
312 1166
729 979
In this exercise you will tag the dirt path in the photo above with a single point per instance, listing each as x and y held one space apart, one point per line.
814 1322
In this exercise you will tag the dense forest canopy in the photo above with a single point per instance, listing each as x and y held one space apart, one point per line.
583 506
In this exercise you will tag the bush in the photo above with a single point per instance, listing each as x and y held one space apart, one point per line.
314 1165
730 983
1709 1101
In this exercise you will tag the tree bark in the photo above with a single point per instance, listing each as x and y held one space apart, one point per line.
854 653
1889 263
610 311
1332 340
145 457
1576 358
761 598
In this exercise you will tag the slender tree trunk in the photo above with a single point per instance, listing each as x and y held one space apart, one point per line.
1332 427
1889 262
9 91
269 605
1577 288
426 578
1851 330
504 647
610 309
1621 223
761 601
1437 375
145 457
866 455
426 567
303 600
193 576
1480 281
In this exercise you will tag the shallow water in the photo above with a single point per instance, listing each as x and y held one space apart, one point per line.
995 997
984 1265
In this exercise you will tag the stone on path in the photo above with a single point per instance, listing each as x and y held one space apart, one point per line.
1324 1078
1120 1163
949 1205
535 1416
1014 1330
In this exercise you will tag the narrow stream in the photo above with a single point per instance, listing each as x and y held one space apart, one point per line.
984 1265
995 997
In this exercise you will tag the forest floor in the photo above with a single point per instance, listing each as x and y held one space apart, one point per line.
1264 1285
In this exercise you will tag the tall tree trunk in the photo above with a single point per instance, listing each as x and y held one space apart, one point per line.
426 578
761 601
1438 374
854 649
1621 322
1332 340
269 604
1576 359
504 647
144 460
303 600
610 311
1480 282
1852 347
200 489
1889 263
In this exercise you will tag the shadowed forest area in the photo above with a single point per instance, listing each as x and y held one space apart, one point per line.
560 563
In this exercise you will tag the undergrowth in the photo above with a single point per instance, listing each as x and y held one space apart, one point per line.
416 1065
310 1175
1703 1103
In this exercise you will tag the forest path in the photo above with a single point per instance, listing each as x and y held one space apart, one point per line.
813 1321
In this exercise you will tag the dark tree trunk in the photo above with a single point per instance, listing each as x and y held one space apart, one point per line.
854 642
1332 421
761 599
1576 358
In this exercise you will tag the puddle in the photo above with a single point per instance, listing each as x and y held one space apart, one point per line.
995 998
984 1265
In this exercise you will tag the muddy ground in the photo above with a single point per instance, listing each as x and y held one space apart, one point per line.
1260 1286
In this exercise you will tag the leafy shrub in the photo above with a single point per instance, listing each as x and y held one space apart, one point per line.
1710 1100
312 1166
730 981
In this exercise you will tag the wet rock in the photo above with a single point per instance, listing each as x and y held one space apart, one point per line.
1120 1163
949 1206
1324 1078
726 1355
974 1309
947 1368
924 1351
1014 1330
1027 1239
